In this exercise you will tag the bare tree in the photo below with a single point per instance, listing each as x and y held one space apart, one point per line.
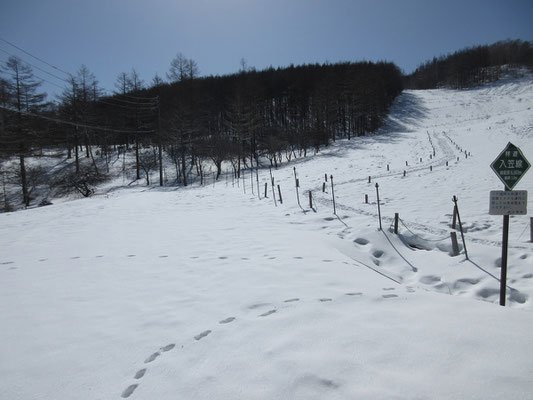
182 68
24 99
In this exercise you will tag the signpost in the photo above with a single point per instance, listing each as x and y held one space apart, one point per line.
510 166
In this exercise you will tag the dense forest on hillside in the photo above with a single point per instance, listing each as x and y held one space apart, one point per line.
471 67
244 120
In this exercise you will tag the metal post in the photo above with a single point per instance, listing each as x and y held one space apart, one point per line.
333 195
460 225
297 185
505 245
379 208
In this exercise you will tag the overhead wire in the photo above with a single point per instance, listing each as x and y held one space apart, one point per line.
37 58
60 121
147 101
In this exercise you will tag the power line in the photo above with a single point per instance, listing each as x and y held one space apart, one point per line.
60 121
35 66
37 58
136 98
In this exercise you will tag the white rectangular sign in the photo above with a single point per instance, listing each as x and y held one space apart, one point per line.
512 202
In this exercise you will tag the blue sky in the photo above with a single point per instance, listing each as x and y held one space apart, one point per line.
114 36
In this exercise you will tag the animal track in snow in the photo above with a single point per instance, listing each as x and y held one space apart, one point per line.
202 335
389 296
131 255
168 347
140 373
389 288
353 294
266 314
378 253
258 305
128 391
325 299
429 279
227 320
291 300
465 283
361 241
152 357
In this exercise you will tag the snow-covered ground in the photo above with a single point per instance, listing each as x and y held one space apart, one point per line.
213 293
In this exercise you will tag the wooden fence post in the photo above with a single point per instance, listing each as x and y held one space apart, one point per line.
280 198
454 219
387 167
310 200
455 245
396 218
369 179
323 187
531 229
404 172
266 187
366 200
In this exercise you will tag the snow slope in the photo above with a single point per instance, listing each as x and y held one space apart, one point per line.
213 293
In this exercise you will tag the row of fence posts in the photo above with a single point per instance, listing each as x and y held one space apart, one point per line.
456 218
453 235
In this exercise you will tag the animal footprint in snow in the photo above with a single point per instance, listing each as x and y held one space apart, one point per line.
266 314
129 390
354 294
389 296
202 335
227 320
291 300
152 357
140 373
389 288
168 347
325 299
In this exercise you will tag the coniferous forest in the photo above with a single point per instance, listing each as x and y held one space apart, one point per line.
247 119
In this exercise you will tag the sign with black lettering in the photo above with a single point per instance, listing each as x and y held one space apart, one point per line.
513 202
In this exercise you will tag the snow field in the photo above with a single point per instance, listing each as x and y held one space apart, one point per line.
209 292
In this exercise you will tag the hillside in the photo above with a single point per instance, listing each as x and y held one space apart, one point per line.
218 292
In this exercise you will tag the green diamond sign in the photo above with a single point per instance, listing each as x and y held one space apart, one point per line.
510 166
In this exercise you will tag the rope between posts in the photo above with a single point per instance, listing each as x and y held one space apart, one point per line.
420 237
